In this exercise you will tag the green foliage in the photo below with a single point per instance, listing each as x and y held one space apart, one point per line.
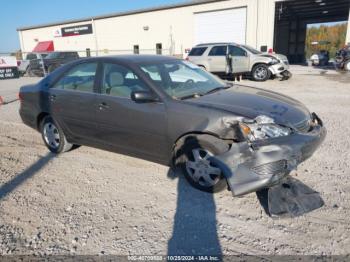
335 34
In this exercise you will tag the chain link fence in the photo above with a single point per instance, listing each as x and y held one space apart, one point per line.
24 58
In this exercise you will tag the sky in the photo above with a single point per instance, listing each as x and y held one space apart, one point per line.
20 13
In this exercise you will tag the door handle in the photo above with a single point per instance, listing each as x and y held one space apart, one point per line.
103 105
52 97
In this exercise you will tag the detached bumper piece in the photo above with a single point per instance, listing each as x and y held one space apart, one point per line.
292 198
251 167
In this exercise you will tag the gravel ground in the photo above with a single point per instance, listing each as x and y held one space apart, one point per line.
93 202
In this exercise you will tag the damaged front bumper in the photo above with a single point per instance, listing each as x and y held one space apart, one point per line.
249 167
279 68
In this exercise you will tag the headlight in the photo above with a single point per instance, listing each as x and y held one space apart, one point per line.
263 127
274 61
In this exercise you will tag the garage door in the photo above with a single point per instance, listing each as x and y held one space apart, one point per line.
221 26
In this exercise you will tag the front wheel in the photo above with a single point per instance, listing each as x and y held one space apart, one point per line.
194 162
53 136
261 72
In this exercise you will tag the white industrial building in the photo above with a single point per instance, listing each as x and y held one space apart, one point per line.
174 29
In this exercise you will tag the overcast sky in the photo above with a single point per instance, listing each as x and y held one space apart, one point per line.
19 13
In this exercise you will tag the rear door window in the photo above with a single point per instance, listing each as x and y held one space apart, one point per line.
218 51
80 78
197 51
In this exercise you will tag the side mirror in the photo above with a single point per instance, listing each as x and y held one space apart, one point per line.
143 97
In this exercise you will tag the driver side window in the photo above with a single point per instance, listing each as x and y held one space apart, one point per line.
80 78
120 81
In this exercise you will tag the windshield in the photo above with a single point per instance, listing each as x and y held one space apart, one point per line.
53 55
252 50
181 79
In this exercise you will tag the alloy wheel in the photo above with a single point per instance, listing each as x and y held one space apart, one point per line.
201 170
260 73
51 135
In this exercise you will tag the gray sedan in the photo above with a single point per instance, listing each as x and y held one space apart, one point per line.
174 113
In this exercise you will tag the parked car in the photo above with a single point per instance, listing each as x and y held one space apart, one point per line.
23 65
230 58
172 112
342 60
51 62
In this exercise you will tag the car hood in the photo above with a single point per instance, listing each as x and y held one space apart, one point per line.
278 56
251 102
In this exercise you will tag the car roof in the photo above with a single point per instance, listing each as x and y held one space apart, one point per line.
136 59
217 43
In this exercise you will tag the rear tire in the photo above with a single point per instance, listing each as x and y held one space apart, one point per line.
199 171
53 136
261 73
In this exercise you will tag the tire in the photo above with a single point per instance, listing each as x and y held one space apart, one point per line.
53 136
201 178
261 73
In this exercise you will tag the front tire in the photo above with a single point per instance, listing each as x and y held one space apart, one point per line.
193 159
261 72
53 136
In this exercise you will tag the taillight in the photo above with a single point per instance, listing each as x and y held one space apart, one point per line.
187 58
20 97
18 63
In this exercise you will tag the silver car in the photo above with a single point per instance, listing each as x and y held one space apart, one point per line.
230 58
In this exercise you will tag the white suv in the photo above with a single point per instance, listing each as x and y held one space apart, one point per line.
232 59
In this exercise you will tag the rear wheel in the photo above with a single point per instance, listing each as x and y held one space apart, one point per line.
53 136
261 72
194 162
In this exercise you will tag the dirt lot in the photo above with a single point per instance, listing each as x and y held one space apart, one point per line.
93 202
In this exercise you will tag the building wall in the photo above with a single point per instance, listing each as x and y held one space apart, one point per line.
174 28
30 38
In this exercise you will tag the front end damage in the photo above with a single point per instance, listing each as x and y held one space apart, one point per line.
253 165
